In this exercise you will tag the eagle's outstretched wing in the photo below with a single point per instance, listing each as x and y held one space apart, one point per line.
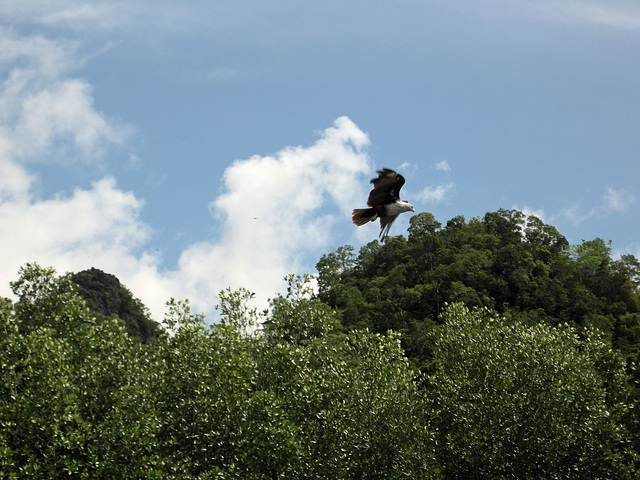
386 188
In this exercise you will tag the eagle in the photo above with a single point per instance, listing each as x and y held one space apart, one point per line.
384 201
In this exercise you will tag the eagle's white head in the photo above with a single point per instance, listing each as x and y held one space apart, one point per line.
398 207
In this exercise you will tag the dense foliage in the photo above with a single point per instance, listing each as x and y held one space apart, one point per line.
518 401
296 399
319 385
506 261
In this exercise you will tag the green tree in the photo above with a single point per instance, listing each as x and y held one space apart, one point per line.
74 394
328 404
526 401
285 394
47 301
202 385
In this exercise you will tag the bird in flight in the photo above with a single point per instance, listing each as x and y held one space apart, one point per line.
384 201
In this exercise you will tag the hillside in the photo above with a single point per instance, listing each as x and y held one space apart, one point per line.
505 261
108 298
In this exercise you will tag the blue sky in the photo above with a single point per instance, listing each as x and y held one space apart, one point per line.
190 146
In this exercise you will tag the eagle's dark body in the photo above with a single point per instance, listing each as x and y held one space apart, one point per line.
384 201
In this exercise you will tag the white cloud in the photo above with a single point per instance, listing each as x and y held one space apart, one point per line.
34 60
528 211
42 112
63 112
273 209
272 212
618 200
436 193
443 166
15 181
613 201
78 16
624 14
91 224
86 13
576 214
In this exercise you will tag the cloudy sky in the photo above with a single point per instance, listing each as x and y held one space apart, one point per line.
190 146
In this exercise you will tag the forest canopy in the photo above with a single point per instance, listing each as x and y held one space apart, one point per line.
488 348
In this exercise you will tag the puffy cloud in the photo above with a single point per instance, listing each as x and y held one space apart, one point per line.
35 60
437 193
576 214
65 232
64 110
42 111
274 210
15 181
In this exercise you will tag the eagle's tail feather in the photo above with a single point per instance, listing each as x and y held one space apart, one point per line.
363 215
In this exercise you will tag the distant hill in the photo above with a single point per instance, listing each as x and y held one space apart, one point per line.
108 298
